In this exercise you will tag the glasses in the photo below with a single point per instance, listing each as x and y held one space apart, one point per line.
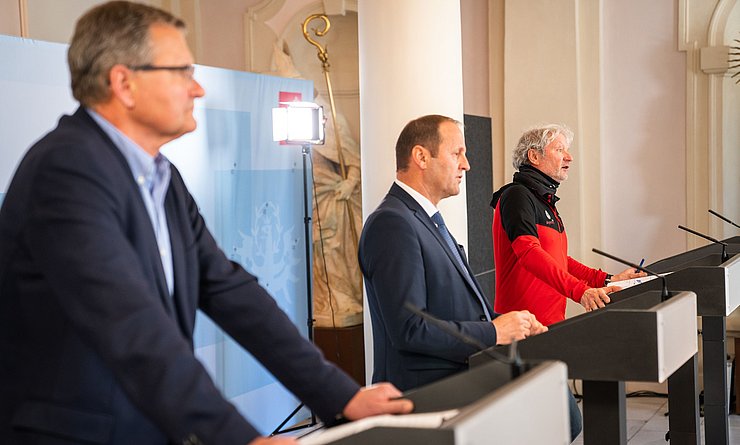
186 71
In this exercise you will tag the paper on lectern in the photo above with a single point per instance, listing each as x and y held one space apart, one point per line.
424 420
624 284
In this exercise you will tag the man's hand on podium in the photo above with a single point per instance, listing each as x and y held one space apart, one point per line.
381 398
516 325
597 297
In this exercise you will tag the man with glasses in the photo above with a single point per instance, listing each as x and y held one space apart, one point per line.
104 259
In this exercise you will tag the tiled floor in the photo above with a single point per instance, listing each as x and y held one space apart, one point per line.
647 422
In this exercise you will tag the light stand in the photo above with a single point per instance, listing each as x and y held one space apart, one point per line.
306 153
301 123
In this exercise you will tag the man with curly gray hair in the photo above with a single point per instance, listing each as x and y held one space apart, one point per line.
537 139
533 269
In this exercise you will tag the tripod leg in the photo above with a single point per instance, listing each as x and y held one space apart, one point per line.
290 416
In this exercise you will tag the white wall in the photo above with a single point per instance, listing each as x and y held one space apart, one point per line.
222 28
474 17
10 18
731 131
643 130
542 71
53 20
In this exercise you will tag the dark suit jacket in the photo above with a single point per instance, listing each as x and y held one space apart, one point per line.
404 259
93 349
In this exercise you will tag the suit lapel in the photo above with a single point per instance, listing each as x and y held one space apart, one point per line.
181 296
152 251
466 274
422 217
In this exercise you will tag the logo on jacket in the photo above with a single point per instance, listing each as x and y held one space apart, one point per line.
549 218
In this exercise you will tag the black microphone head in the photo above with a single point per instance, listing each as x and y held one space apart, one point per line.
725 256
701 235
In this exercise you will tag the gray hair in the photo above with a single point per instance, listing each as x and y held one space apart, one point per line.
113 33
537 138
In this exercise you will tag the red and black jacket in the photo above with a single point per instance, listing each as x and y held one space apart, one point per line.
533 269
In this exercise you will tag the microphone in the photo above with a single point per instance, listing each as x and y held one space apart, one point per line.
723 218
664 295
512 359
725 257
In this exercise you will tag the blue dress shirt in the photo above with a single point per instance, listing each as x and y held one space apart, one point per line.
152 174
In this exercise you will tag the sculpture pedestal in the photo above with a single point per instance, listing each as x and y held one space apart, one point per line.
345 348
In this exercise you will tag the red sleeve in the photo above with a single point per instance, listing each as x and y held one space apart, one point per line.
594 277
541 264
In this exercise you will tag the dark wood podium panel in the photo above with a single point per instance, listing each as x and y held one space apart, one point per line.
391 435
638 339
671 262
717 287
642 338
701 256
716 283
344 347
466 388
493 403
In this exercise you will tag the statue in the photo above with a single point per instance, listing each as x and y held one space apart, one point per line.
336 274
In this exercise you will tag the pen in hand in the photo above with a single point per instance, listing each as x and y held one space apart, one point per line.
642 261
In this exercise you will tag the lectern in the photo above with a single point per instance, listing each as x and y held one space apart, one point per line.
717 287
490 405
638 339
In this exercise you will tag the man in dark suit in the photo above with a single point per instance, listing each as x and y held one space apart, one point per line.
407 255
104 259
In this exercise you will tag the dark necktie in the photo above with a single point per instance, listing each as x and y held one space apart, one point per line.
440 222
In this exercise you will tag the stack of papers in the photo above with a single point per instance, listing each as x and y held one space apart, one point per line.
424 420
624 284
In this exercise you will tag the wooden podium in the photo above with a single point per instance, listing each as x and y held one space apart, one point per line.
717 287
638 339
490 403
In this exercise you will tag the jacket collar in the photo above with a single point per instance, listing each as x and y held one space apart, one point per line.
537 182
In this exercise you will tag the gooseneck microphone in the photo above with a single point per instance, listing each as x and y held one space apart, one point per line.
512 359
664 295
725 257
723 218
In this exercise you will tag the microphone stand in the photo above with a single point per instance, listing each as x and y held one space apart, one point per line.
305 152
723 218
725 257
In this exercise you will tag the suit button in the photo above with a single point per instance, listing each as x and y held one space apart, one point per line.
483 317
